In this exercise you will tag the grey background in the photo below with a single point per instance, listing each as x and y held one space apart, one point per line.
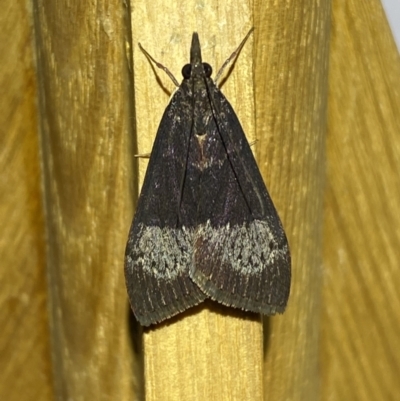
392 8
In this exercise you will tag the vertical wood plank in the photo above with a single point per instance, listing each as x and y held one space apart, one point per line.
208 352
86 119
361 327
24 337
292 42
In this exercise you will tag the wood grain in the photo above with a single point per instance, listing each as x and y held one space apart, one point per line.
292 50
86 127
69 188
209 352
25 363
361 327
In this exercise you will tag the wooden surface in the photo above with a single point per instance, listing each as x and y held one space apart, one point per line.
79 99
209 353
25 363
292 44
361 309
86 114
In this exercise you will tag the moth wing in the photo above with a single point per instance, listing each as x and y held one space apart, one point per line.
241 254
159 253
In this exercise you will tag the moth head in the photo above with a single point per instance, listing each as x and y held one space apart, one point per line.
187 70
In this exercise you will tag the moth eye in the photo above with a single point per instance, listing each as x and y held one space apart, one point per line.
186 71
207 69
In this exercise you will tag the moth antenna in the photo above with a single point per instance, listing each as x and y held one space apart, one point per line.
233 55
159 65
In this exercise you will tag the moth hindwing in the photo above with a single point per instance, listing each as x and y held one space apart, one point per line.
205 225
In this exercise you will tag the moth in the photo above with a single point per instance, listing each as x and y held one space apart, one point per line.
205 225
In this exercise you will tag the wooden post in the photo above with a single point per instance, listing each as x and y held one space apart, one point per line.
209 352
292 51
86 129
360 325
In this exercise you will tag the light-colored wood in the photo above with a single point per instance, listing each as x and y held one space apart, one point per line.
361 325
209 353
25 363
167 35
86 119
212 354
292 50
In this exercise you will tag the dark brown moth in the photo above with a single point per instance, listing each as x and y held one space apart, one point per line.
205 225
